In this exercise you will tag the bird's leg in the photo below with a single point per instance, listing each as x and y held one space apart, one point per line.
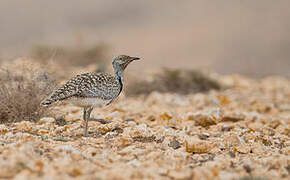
86 118
89 112
85 114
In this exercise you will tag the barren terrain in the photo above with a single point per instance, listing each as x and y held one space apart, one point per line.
192 107
241 132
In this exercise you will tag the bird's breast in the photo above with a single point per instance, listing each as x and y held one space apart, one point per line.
89 102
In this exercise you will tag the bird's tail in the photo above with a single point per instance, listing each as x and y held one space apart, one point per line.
46 102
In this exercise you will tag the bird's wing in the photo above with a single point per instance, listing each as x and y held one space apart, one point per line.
66 91
100 85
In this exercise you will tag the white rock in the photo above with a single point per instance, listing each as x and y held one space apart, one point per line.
67 149
47 120
134 162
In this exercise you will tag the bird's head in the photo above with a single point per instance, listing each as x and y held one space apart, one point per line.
121 62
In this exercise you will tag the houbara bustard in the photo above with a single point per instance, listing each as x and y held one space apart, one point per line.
92 90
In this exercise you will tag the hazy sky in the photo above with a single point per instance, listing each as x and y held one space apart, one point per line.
227 36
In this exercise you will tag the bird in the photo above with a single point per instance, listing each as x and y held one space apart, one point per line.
90 90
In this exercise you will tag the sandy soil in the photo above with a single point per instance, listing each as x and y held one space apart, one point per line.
242 131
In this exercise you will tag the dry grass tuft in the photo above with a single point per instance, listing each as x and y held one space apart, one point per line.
174 81
21 94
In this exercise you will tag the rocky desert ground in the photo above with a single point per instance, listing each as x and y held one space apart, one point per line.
231 122
241 132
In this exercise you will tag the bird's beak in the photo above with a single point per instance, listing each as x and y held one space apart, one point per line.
135 58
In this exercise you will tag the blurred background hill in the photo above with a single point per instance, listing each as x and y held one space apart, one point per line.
226 36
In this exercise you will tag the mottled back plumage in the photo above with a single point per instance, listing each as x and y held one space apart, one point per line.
89 85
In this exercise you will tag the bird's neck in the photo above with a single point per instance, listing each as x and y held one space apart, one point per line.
120 77
119 74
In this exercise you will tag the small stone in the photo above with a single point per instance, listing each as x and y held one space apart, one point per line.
179 174
66 148
288 168
286 151
129 119
132 123
141 131
209 157
134 163
194 145
118 130
75 110
244 149
39 164
233 117
3 129
232 154
226 128
75 172
144 139
166 116
224 100
274 124
123 141
42 132
151 118
24 126
266 142
247 168
204 120
204 136
61 139
231 140
174 144
287 143
60 121
46 120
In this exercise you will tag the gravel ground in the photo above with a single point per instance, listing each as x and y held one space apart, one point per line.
242 132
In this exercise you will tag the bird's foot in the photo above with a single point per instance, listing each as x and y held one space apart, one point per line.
103 121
